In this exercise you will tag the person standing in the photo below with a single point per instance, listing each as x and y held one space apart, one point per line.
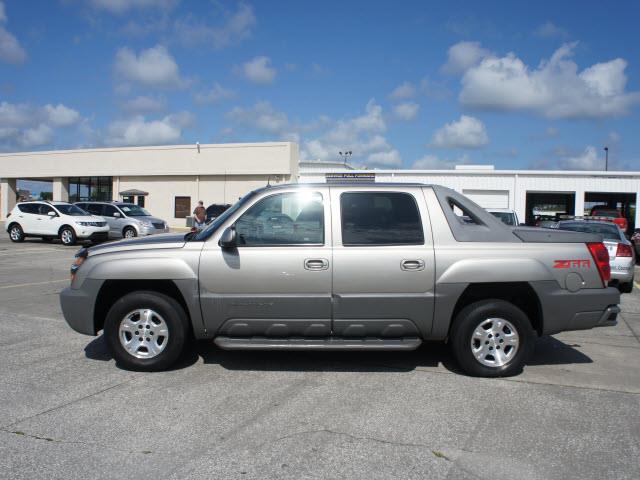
199 215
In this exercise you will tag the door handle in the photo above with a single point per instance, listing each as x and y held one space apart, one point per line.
412 265
316 264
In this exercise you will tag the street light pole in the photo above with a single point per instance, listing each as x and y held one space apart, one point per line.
606 159
345 156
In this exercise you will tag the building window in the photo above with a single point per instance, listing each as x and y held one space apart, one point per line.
182 207
141 201
86 189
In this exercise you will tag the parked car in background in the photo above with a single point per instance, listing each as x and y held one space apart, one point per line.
621 253
126 220
635 240
215 210
611 213
508 217
49 220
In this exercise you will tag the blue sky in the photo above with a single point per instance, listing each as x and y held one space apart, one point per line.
401 84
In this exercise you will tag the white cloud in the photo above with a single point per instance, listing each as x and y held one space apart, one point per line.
237 27
138 131
467 132
403 91
259 70
214 95
36 136
261 116
555 89
433 162
24 125
389 158
406 111
118 7
61 116
144 104
10 49
154 67
550 30
462 56
587 160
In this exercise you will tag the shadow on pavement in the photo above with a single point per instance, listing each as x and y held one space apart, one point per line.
549 351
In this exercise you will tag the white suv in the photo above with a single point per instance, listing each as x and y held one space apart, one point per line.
49 220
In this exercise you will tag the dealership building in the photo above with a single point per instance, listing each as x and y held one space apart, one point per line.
169 180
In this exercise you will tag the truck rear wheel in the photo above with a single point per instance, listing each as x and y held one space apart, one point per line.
146 331
492 338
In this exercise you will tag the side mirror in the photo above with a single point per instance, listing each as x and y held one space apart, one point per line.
52 214
116 214
229 238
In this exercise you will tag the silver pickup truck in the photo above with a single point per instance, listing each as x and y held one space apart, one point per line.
344 267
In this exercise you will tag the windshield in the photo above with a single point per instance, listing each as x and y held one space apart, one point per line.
132 210
609 232
213 226
72 210
506 217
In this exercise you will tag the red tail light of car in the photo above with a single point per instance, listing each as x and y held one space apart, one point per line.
601 257
624 250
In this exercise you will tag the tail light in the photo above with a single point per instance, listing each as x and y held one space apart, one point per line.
8 214
601 257
624 250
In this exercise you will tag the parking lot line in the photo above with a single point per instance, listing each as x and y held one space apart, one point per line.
32 284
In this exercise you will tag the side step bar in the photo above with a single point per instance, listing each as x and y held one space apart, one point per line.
315 343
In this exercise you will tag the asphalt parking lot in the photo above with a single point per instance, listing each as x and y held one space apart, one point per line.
68 412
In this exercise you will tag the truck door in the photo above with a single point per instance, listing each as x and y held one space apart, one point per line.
277 281
383 262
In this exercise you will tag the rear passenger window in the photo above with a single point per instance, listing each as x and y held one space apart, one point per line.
45 209
380 218
94 208
29 207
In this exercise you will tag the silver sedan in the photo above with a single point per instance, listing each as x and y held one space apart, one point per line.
621 252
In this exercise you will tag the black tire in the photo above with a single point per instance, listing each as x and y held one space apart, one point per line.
16 234
471 317
131 231
626 287
68 236
174 317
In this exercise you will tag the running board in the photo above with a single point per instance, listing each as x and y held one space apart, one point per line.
314 343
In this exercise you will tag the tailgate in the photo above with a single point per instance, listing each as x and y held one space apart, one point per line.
612 248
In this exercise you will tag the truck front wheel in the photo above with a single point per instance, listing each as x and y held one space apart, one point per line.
492 338
146 331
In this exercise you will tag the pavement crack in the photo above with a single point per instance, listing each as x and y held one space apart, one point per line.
57 407
73 442
436 453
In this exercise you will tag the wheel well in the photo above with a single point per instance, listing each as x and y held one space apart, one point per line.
128 227
12 224
112 290
65 226
519 293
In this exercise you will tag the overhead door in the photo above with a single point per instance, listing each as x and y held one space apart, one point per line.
489 198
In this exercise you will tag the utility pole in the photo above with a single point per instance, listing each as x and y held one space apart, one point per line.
606 159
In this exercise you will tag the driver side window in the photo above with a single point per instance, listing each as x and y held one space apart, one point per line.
295 218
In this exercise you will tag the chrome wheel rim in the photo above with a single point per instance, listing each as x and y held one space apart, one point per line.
129 234
143 333
67 236
494 342
15 234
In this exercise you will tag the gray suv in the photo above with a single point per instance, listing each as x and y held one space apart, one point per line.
344 267
126 220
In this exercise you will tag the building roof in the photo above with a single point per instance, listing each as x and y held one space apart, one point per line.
134 192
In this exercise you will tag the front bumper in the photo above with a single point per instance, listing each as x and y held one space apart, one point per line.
144 231
78 306
92 233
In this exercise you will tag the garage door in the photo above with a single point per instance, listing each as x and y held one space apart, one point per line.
489 198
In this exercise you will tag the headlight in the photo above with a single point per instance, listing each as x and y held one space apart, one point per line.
84 224
146 223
